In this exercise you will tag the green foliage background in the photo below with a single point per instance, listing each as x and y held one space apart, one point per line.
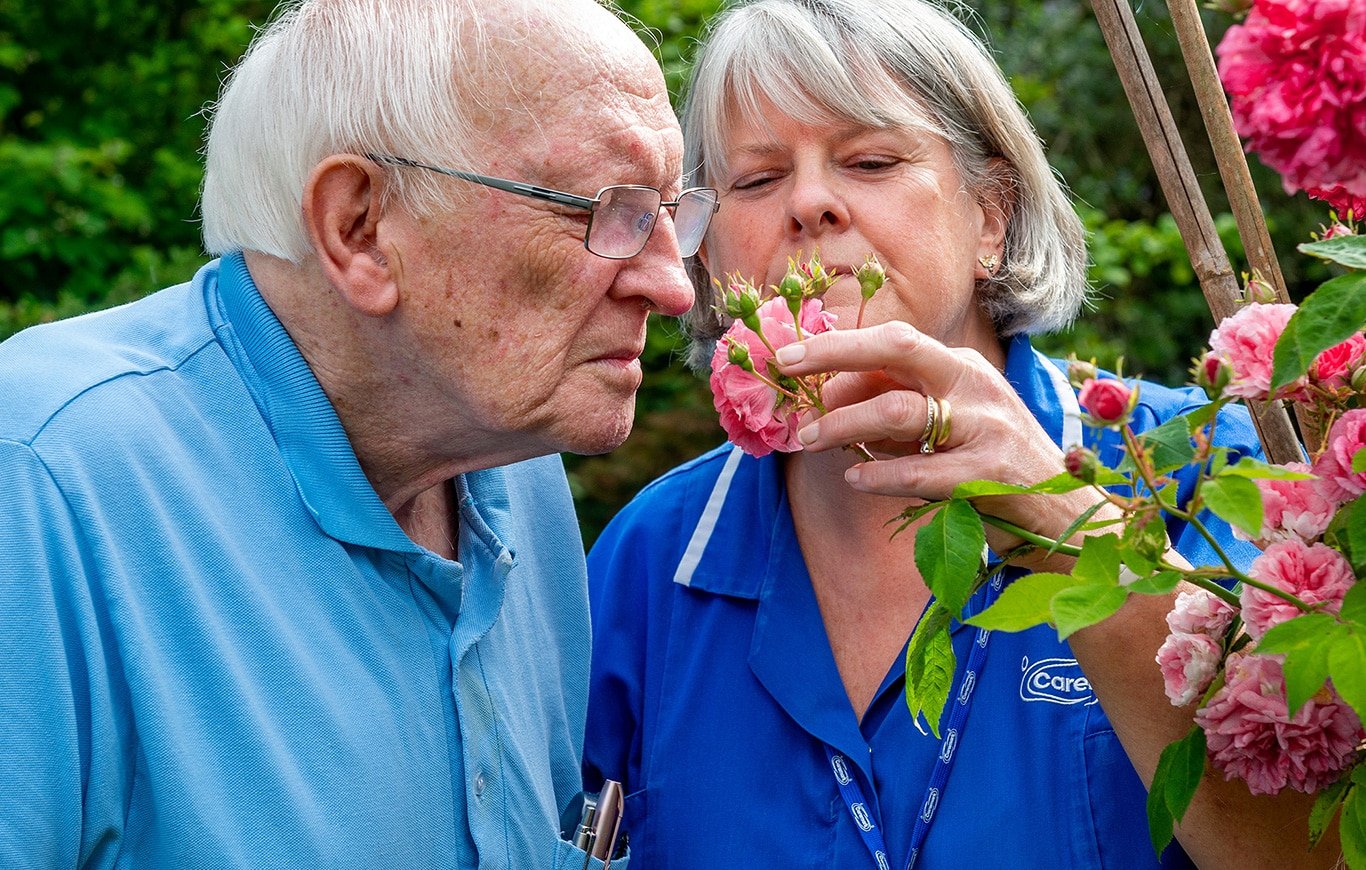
101 124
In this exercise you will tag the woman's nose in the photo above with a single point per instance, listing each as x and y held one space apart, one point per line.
815 206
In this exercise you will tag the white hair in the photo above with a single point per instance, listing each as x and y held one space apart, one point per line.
337 76
885 64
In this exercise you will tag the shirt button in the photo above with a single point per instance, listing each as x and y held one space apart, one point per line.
478 785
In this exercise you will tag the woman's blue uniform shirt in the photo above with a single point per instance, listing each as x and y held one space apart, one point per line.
714 690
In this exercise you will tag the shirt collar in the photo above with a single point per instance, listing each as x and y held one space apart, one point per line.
302 420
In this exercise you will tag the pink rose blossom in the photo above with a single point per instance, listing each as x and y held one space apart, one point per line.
1246 340
1293 510
1106 399
1189 663
1295 71
1333 367
1314 573
1251 735
1200 612
1334 466
757 418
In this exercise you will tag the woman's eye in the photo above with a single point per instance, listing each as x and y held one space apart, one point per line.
752 182
872 164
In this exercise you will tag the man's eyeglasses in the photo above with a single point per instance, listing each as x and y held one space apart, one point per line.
621 217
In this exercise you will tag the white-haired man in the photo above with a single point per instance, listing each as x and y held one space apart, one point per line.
283 582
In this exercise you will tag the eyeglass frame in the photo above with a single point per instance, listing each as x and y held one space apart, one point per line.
560 197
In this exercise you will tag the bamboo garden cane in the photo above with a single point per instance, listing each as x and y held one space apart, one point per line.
1208 257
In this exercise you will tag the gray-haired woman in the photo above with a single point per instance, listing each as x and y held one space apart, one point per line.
751 615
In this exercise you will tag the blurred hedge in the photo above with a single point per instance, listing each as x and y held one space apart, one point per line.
101 126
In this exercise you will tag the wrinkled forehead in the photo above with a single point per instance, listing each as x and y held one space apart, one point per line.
819 87
579 89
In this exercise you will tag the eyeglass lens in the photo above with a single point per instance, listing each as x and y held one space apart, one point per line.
625 216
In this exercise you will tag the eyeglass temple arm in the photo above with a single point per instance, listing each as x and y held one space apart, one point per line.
517 187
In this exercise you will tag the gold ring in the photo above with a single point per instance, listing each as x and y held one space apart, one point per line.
945 423
927 438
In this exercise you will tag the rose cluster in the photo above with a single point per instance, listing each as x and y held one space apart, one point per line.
1295 71
760 408
1249 729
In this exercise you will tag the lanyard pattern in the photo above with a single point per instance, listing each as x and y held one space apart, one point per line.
852 792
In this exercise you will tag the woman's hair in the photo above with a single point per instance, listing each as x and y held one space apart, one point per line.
887 64
328 77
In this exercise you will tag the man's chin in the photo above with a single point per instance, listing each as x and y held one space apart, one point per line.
600 431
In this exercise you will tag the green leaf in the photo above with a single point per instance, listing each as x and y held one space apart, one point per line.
1347 251
1170 444
948 552
1257 470
1359 461
1077 607
1144 543
1024 603
1352 827
976 488
1305 670
930 664
1354 532
1331 314
1187 765
1354 605
1161 583
1160 821
1236 500
1347 667
1296 634
1099 560
1327 804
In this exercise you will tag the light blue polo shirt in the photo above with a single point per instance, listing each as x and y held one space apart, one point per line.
715 694
218 649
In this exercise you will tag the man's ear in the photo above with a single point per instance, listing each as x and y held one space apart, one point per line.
342 211
997 201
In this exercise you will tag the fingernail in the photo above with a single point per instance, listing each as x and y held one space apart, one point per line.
852 475
808 434
790 354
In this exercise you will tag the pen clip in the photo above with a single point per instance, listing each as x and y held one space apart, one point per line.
606 822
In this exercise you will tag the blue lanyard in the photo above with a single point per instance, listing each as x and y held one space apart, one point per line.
852 792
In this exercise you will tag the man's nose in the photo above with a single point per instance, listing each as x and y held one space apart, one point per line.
659 274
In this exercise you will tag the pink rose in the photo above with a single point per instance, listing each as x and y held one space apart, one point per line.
1334 465
1200 612
1295 71
1293 510
1250 734
1333 367
1246 341
1189 663
1108 400
757 418
1316 574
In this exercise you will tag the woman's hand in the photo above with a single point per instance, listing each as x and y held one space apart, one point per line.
879 399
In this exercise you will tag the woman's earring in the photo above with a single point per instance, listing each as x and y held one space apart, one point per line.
989 262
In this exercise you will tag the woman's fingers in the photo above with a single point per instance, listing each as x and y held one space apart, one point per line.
905 354
899 416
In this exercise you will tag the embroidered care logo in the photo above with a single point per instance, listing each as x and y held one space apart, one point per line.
1057 681
841 770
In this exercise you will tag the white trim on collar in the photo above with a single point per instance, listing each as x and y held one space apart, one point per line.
706 524
1067 404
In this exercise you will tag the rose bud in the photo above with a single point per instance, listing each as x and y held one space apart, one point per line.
1080 371
871 276
1257 289
737 354
1212 373
791 287
1082 464
1109 401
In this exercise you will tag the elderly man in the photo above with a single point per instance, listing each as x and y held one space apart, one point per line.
282 582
